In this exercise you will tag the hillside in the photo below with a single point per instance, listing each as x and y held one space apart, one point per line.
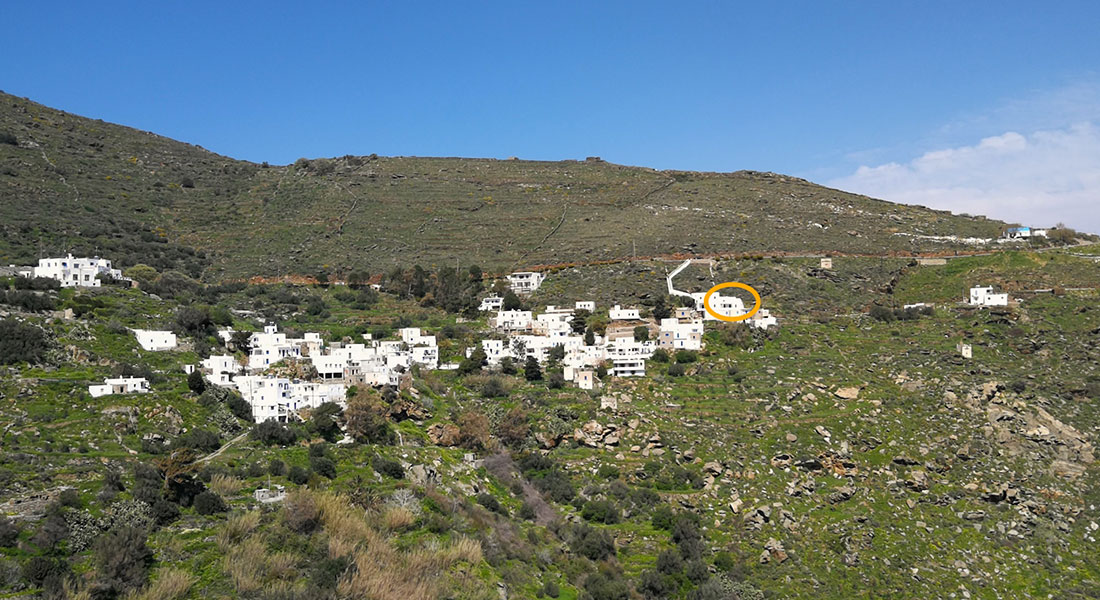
842 456
71 183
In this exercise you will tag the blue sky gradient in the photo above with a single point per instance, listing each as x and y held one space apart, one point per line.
815 89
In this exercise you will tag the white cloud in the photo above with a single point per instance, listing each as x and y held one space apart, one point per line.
1038 178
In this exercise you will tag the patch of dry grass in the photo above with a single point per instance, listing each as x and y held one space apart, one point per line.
237 528
225 485
168 584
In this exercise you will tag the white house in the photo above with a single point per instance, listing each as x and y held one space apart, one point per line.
763 319
826 263
525 282
628 367
585 379
984 296
589 305
76 272
617 313
491 304
219 369
154 340
512 320
120 385
681 335
727 306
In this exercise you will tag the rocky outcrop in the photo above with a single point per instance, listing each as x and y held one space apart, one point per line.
443 434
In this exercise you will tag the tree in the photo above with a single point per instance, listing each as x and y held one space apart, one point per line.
474 362
641 333
122 561
514 428
325 420
366 420
661 309
473 430
589 338
511 301
196 383
241 341
531 370
580 321
54 528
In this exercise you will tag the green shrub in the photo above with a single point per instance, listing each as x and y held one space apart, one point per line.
209 503
388 467
601 511
297 475
272 432
21 342
490 502
122 561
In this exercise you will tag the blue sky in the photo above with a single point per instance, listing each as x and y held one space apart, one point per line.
855 94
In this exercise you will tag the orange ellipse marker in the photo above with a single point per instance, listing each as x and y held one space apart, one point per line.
732 284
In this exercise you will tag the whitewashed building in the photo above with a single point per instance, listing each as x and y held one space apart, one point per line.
618 313
525 282
154 340
220 369
120 385
588 305
512 320
491 304
984 296
681 335
76 272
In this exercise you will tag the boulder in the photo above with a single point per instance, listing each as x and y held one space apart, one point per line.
443 434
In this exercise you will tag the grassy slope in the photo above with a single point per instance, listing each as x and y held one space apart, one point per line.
70 175
902 540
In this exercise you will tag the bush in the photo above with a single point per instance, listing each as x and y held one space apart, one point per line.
660 355
550 588
122 561
8 138
686 356
676 370
493 388
323 466
388 467
601 511
199 439
276 468
272 432
9 532
209 503
881 313
641 333
297 475
669 563
38 569
592 543
555 381
165 512
21 342
490 502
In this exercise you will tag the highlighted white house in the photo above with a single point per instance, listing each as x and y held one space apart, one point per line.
984 296
155 341
525 282
681 335
120 385
589 305
76 272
